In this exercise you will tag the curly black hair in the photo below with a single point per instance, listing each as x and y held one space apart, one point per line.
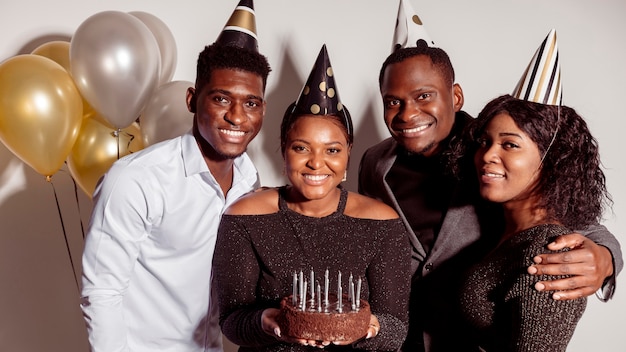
572 184
217 56
438 56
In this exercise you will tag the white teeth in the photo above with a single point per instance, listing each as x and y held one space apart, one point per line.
233 133
316 177
416 129
489 174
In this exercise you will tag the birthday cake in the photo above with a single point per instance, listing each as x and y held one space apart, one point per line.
324 322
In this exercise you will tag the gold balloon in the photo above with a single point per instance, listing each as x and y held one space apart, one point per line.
40 111
59 52
98 146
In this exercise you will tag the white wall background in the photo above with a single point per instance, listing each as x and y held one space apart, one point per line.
489 41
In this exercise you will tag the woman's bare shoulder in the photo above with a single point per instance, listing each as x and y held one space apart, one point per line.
360 206
259 202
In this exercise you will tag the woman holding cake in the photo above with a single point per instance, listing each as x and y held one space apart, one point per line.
269 238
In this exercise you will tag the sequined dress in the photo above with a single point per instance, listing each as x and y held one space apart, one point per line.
501 305
256 256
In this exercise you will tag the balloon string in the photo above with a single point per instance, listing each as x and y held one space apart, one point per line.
80 219
117 135
82 229
67 245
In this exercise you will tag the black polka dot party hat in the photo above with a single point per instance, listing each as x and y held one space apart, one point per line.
319 96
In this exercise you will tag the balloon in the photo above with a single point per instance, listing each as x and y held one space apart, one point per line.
59 52
115 62
97 148
165 115
40 111
166 42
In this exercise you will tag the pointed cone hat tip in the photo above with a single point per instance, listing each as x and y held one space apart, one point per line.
541 81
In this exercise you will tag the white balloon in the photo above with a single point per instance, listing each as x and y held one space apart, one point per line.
166 115
115 63
166 42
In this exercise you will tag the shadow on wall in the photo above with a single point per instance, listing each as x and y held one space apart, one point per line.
40 252
39 269
365 135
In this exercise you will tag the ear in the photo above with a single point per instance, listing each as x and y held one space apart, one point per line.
192 99
457 95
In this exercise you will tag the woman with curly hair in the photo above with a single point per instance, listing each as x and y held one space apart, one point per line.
536 160
541 164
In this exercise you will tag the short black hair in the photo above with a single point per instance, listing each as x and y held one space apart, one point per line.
217 56
438 56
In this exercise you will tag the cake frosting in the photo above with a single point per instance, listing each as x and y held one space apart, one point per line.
329 323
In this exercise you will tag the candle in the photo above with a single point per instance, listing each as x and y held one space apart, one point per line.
326 288
294 291
351 289
339 304
304 297
301 291
312 287
319 297
358 293
352 295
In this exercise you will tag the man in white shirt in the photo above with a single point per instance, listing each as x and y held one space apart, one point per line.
149 247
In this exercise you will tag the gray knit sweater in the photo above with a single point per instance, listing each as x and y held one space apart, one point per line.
501 305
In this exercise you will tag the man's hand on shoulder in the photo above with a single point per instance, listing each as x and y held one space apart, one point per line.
588 263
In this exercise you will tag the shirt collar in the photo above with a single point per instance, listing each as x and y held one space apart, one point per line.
193 161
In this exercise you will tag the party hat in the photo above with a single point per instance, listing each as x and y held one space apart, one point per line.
541 82
240 30
409 28
319 96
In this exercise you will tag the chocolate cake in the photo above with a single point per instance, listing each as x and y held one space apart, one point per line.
324 323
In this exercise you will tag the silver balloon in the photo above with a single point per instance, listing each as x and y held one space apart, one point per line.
166 42
115 63
166 115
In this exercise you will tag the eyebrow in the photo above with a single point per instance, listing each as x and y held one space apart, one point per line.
307 142
229 93
510 134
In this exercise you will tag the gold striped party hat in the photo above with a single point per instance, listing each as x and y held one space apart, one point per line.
409 28
240 30
541 82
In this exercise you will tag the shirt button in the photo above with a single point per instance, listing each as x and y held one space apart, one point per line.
429 266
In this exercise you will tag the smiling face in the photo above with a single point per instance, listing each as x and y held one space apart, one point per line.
419 104
508 162
316 156
229 112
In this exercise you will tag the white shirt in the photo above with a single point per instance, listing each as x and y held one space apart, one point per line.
149 248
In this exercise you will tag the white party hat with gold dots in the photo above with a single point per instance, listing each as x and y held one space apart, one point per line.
409 28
